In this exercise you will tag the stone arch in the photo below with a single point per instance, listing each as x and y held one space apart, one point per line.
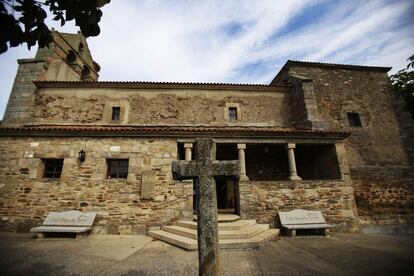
71 57
81 48
86 73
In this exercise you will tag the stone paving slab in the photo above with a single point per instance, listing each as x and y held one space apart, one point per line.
342 254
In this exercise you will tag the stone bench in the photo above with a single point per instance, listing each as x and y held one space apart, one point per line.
66 222
300 219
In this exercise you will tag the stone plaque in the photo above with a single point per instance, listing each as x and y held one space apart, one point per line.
148 185
70 218
301 216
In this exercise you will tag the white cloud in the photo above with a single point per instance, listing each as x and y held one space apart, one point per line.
238 41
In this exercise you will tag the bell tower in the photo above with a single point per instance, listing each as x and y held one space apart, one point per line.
66 59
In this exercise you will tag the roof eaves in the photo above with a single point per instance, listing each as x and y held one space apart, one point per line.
154 85
160 130
338 65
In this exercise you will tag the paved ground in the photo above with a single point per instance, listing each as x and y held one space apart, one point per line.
342 254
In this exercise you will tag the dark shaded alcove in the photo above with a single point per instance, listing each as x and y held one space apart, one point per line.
266 162
317 162
226 152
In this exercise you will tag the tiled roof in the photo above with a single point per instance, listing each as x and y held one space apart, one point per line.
277 78
172 130
338 65
156 85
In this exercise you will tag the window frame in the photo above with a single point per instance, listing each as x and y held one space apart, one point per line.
55 173
233 106
119 174
354 119
118 113
232 113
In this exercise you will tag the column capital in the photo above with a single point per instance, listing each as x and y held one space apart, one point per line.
290 146
188 145
241 146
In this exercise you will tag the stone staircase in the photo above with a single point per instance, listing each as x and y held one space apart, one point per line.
234 233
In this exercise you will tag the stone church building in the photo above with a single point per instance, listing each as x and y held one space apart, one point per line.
327 137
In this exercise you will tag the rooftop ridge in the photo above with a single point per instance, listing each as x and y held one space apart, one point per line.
350 66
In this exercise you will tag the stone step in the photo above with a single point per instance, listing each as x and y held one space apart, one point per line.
191 244
253 243
223 217
178 240
234 225
244 233
183 231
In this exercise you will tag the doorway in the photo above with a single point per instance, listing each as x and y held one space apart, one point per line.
227 191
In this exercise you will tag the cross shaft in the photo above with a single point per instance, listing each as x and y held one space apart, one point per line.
203 170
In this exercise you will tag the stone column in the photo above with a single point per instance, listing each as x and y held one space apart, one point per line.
292 163
188 147
188 184
242 159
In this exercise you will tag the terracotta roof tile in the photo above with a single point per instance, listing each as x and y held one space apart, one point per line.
170 130
338 65
156 85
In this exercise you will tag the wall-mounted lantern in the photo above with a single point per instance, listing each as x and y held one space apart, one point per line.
82 155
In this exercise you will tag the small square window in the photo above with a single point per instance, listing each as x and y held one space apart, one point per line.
52 168
353 119
233 113
117 168
116 113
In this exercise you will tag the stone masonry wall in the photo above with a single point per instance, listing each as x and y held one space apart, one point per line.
339 91
384 193
170 107
263 200
406 123
67 109
378 160
126 206
21 98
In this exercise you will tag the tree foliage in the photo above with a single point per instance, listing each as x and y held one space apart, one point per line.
23 21
403 84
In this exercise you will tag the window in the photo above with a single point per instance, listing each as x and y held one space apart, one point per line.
117 168
353 119
86 73
52 168
233 113
116 113
71 57
81 47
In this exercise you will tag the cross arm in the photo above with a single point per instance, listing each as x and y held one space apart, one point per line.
226 168
182 170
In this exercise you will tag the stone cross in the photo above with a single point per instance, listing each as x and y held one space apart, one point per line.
203 170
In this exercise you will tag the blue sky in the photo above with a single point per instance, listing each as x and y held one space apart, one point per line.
237 41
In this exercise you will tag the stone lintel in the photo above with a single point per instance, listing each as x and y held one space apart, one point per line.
304 140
